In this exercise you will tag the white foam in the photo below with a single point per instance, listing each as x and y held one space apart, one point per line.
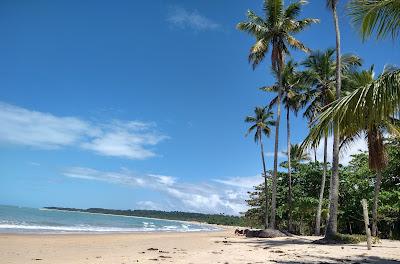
87 228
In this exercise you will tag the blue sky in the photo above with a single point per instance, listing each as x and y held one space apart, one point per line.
140 104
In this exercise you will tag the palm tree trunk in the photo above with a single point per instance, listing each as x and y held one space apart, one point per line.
315 155
265 183
331 229
375 204
275 175
322 190
289 169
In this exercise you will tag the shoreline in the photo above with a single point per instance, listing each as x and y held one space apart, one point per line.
179 221
83 233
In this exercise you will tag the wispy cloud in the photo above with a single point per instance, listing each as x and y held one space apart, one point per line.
149 205
127 139
203 197
281 154
242 182
181 18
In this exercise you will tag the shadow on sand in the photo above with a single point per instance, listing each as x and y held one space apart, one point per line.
275 247
354 260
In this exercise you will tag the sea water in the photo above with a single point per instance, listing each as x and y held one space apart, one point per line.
15 219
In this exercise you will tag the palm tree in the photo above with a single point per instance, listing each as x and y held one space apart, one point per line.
321 75
374 135
380 16
369 109
290 91
275 31
261 124
297 154
331 228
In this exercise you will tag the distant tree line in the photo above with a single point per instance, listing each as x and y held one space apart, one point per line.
217 219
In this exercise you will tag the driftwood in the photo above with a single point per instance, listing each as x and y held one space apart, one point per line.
267 233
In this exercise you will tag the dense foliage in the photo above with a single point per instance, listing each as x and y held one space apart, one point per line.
357 182
218 219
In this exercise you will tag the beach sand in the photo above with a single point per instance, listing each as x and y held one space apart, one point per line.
206 247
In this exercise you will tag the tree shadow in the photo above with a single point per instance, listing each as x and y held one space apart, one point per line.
271 243
308 250
354 260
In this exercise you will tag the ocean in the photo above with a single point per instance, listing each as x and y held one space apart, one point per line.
15 219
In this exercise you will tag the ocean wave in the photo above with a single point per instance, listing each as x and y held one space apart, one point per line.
94 229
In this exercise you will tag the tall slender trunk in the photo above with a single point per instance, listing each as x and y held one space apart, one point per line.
377 189
315 155
322 190
289 169
331 229
275 175
265 182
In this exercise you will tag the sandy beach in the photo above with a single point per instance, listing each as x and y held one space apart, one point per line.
205 247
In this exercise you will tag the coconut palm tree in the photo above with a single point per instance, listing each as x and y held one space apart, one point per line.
297 154
374 132
331 228
261 124
320 73
379 16
291 95
367 110
275 32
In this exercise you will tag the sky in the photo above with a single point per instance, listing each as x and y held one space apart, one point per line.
140 104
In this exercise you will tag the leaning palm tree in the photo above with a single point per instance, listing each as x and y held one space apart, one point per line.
331 228
379 16
291 93
320 73
368 110
275 31
374 132
261 124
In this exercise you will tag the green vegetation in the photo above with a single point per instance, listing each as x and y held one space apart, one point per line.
275 32
357 182
380 16
217 219
342 100
261 124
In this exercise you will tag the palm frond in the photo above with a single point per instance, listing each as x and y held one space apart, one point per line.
379 16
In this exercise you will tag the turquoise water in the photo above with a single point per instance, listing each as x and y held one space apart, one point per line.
15 219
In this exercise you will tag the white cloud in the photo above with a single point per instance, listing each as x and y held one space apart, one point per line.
355 147
182 18
242 182
130 139
203 197
25 127
148 205
281 154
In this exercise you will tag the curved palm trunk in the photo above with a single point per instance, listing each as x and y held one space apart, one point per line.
322 190
289 170
377 189
275 175
265 183
331 229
